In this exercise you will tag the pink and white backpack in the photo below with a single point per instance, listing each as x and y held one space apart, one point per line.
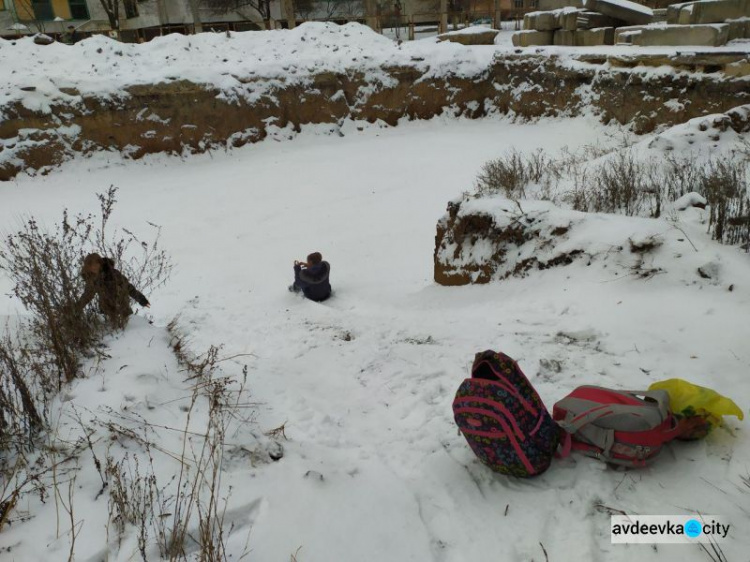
627 428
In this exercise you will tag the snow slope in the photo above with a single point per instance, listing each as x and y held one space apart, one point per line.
365 381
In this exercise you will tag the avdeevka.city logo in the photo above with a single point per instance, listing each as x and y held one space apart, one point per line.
674 529
693 528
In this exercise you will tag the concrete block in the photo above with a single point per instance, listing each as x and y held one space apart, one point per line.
531 38
541 21
718 11
624 10
660 15
739 29
471 36
568 19
673 12
595 37
564 18
564 38
740 69
686 15
625 35
592 20
548 5
683 35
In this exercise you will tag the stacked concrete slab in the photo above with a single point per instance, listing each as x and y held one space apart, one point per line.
564 18
709 23
593 20
738 29
708 11
629 12
579 22
532 38
593 37
550 5
677 35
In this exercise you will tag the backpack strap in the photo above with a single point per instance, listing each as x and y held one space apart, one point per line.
602 439
565 446
573 424
602 446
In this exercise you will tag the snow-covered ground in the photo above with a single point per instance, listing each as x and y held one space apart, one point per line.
373 468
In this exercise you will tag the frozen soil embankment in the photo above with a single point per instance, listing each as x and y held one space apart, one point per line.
485 237
194 93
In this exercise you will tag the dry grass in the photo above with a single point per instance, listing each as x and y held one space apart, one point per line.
47 349
183 518
625 184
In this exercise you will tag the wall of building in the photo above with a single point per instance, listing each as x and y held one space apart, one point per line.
154 13
6 20
177 12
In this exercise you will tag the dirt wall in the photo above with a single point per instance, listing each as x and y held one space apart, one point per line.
183 116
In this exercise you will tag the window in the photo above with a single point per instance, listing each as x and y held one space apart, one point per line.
78 9
42 10
518 4
131 8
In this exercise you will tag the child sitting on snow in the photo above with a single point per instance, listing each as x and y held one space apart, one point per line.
311 277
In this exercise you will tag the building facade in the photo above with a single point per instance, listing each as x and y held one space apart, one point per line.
138 20
141 20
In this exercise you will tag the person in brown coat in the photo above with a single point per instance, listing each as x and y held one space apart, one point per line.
112 287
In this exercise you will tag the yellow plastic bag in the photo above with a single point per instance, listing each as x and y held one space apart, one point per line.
700 408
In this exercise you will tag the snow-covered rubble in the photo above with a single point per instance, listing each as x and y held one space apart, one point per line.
225 62
701 137
42 75
492 238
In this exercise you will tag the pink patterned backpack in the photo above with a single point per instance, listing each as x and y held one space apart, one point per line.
503 418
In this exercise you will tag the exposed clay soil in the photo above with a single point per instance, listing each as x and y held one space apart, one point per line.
187 116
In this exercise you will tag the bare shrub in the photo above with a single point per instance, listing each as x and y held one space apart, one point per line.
626 185
723 181
132 498
681 176
633 187
724 184
44 266
513 173
537 166
185 516
506 175
23 405
48 348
